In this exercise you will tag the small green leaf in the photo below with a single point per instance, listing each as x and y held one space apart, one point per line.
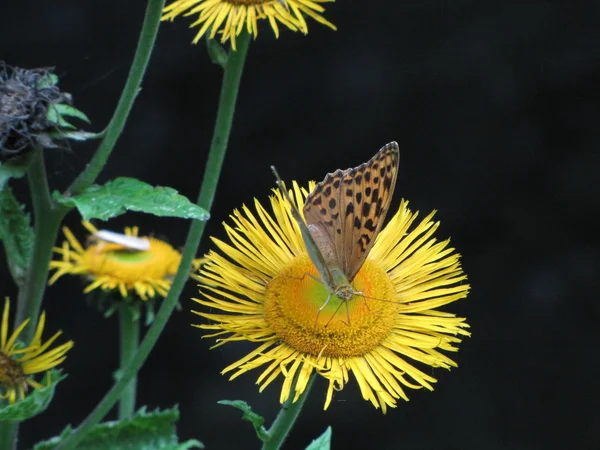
147 431
13 168
68 110
35 403
216 52
16 235
77 135
255 419
323 442
56 118
122 194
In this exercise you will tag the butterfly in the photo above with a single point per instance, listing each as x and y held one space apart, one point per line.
127 242
344 214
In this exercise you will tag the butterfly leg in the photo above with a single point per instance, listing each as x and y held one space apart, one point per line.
334 314
321 309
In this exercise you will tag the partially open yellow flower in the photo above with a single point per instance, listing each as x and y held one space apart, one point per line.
268 290
18 362
111 266
230 16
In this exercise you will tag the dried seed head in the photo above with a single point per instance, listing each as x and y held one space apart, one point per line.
25 98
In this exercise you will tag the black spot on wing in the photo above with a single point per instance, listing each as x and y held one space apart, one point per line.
366 209
387 183
349 209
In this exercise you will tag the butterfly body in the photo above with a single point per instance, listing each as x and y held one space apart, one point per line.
344 214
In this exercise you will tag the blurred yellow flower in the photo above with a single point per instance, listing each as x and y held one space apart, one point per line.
229 16
18 362
112 265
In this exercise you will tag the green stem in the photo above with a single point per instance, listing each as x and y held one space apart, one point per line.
8 435
130 91
47 221
286 418
130 338
48 216
229 91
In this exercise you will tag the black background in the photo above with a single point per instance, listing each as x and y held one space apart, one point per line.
495 107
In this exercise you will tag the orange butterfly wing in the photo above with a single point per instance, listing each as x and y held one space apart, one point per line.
346 210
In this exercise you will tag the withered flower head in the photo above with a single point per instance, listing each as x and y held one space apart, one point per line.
28 114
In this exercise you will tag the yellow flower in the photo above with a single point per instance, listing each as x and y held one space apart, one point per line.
17 363
229 16
268 289
112 266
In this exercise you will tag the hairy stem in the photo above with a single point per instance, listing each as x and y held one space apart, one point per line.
286 418
130 338
212 171
130 91
47 221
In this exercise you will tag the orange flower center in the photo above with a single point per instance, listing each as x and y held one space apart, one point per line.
305 315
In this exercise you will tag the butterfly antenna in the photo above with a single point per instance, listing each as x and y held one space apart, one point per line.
365 300
286 195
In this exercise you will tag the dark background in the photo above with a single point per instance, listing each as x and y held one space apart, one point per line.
495 107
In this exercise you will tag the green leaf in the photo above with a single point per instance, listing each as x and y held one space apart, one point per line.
54 117
323 442
147 431
57 113
16 235
216 52
255 419
13 168
122 194
77 135
68 110
36 401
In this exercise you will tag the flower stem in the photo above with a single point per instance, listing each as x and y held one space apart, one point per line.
48 216
229 90
47 221
8 434
130 92
130 338
286 418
